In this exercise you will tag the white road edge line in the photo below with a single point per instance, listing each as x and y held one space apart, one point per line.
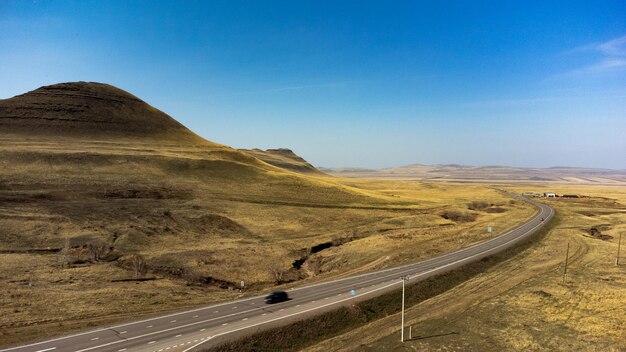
165 330
293 289
198 344
377 289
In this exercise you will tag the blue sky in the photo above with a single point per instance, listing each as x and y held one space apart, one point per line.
368 84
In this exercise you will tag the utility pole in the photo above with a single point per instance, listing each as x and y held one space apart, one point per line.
619 244
404 278
566 260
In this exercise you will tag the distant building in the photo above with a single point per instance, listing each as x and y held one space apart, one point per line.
549 195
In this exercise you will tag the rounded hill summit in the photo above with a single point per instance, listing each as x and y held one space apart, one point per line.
88 110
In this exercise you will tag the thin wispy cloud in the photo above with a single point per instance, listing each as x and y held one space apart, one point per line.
513 102
615 47
288 89
612 57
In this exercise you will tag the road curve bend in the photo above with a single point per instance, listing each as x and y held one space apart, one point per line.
206 326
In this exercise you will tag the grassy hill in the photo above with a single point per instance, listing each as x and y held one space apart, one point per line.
92 178
285 159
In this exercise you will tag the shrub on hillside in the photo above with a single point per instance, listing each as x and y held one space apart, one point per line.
478 205
458 216
495 210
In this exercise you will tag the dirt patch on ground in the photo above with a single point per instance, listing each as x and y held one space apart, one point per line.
458 216
596 232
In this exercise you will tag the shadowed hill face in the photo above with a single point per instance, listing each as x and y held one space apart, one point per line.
88 110
283 158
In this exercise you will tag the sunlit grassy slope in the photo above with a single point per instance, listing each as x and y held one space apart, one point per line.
86 163
523 304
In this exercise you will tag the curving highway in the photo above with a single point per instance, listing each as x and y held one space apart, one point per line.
207 326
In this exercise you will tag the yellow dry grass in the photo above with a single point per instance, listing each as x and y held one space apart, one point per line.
204 211
522 304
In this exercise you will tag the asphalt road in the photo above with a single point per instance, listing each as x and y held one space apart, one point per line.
203 327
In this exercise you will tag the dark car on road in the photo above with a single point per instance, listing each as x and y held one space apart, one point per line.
276 297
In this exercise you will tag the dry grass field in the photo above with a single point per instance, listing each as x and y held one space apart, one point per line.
492 174
90 203
523 304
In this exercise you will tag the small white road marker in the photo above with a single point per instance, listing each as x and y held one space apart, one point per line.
264 314
173 321
234 307
48 349
122 350
179 335
195 316
217 311
202 329
123 332
224 324
244 319
151 342
149 326
95 338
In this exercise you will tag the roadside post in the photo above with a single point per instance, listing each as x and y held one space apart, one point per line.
353 293
489 229
566 262
404 278
619 244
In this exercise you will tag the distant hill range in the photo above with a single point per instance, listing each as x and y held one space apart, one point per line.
463 173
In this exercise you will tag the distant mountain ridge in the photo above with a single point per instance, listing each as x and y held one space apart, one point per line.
454 172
